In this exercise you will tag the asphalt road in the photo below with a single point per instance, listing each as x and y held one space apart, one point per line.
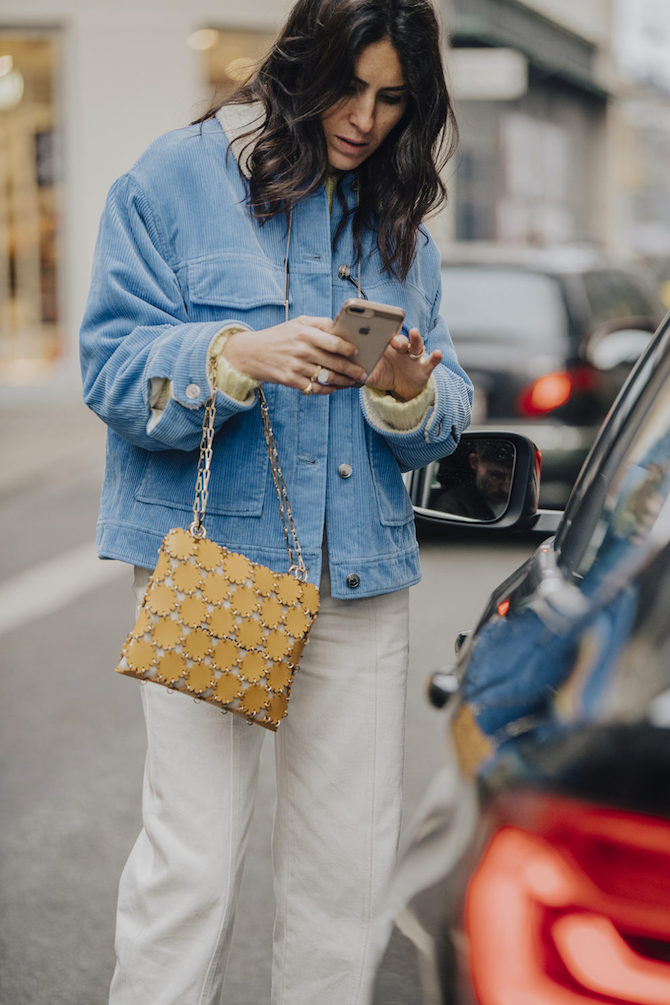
71 737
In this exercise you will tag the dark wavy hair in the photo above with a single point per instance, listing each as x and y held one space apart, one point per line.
307 71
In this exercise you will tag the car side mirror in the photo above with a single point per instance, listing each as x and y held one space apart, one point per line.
491 480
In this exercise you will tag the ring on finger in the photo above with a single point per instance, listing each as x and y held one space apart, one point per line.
308 388
418 355
322 376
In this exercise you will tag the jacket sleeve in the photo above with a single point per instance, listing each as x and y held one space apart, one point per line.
136 330
438 431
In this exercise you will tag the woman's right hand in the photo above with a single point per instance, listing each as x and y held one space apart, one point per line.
293 353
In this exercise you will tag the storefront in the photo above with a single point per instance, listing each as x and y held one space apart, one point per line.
30 205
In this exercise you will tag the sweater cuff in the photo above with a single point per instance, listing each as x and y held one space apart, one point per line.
223 376
401 416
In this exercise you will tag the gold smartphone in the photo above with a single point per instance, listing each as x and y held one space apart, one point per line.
370 327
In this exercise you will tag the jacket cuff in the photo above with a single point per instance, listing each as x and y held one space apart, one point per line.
400 416
225 377
237 386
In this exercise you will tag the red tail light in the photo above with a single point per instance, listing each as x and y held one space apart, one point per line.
570 905
552 390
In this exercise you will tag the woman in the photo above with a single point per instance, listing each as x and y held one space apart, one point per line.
330 155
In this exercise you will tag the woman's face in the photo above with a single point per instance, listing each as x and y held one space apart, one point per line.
375 102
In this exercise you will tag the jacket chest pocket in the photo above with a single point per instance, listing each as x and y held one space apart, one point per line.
240 287
239 472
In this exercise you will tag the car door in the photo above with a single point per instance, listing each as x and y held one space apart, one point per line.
529 640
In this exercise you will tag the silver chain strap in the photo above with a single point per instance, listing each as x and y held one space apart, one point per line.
197 528
297 565
204 470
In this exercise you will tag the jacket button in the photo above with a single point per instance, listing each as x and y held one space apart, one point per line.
353 581
193 391
345 470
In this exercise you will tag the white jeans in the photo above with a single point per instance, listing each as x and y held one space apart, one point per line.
339 766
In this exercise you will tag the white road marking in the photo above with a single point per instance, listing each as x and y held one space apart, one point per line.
52 585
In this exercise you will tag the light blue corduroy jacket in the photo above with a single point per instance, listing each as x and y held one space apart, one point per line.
178 257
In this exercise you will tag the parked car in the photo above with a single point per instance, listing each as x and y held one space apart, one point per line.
548 337
541 876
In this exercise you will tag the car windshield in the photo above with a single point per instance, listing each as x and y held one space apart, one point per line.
502 303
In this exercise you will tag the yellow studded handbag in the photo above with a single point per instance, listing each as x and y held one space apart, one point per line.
215 625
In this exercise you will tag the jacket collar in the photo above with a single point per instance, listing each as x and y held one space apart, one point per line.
242 125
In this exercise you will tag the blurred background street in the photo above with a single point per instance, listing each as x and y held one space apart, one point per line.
564 109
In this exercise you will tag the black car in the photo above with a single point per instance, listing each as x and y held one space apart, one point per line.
548 337
543 876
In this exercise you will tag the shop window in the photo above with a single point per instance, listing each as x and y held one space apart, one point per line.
533 204
30 194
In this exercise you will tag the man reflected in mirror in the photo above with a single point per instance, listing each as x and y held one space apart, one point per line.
479 488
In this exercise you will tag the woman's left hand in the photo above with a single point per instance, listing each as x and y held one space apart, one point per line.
405 368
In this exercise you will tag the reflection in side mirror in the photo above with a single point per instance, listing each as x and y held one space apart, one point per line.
491 480
474 482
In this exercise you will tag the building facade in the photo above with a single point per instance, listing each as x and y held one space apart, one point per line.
643 54
534 141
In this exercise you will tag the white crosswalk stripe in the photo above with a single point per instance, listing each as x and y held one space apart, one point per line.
52 585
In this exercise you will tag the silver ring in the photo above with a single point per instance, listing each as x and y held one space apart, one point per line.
323 376
308 389
418 355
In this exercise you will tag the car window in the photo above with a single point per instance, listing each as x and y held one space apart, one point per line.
634 497
502 304
648 381
613 294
